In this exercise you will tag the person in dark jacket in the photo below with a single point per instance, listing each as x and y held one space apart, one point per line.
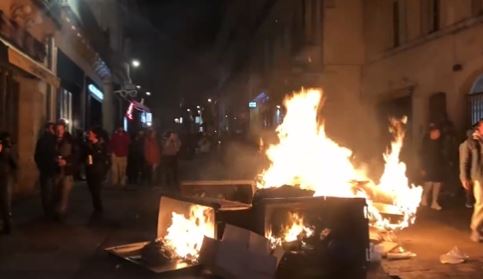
7 167
433 166
135 160
65 159
45 161
97 161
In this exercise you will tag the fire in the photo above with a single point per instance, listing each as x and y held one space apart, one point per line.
305 157
185 235
292 231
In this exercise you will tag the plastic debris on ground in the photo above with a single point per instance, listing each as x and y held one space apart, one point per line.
454 256
400 253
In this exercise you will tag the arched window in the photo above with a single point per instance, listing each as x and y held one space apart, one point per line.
476 100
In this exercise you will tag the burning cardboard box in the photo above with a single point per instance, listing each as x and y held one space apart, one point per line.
181 228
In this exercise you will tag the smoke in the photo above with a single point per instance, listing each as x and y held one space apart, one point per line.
230 160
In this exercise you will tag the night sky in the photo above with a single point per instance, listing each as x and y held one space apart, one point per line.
174 40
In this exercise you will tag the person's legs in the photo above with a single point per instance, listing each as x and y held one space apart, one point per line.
46 192
64 187
470 199
122 170
436 190
477 217
427 187
95 184
5 204
115 170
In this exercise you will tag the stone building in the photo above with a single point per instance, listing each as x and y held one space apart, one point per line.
373 58
56 61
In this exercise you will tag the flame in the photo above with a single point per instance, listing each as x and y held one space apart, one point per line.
185 235
306 158
292 231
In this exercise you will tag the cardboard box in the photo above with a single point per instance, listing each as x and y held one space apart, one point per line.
239 254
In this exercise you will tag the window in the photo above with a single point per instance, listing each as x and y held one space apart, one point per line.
475 100
435 12
396 23
476 7
65 107
310 12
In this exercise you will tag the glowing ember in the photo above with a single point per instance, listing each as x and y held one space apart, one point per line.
185 235
305 157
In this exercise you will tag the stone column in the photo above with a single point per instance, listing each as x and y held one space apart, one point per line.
108 106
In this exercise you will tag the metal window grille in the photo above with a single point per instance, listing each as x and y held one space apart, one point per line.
475 104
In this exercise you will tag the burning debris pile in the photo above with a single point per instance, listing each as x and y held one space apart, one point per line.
307 159
183 239
312 205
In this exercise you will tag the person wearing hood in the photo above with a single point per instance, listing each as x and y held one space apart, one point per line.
471 175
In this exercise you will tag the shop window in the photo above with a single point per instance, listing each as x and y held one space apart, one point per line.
65 107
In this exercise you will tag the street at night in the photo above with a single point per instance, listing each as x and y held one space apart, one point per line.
241 139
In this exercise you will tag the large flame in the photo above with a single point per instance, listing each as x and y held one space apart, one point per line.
185 235
305 157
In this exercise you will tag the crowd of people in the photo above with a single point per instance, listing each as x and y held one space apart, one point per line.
146 159
92 156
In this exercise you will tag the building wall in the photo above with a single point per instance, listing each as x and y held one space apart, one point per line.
425 60
31 120
32 92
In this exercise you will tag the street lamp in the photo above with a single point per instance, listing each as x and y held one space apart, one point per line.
209 100
148 93
138 86
135 63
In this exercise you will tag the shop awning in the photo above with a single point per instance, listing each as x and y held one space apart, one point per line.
17 58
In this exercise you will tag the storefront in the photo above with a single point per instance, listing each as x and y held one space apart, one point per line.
69 101
95 97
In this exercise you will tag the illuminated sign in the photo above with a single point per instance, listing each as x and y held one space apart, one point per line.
252 104
95 92
129 111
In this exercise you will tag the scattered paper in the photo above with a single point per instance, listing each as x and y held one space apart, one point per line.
454 256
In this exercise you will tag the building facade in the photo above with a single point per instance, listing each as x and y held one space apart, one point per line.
56 61
373 59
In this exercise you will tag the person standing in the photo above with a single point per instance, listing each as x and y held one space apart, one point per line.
119 146
171 147
97 163
471 175
65 157
44 159
8 166
152 155
136 158
433 167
